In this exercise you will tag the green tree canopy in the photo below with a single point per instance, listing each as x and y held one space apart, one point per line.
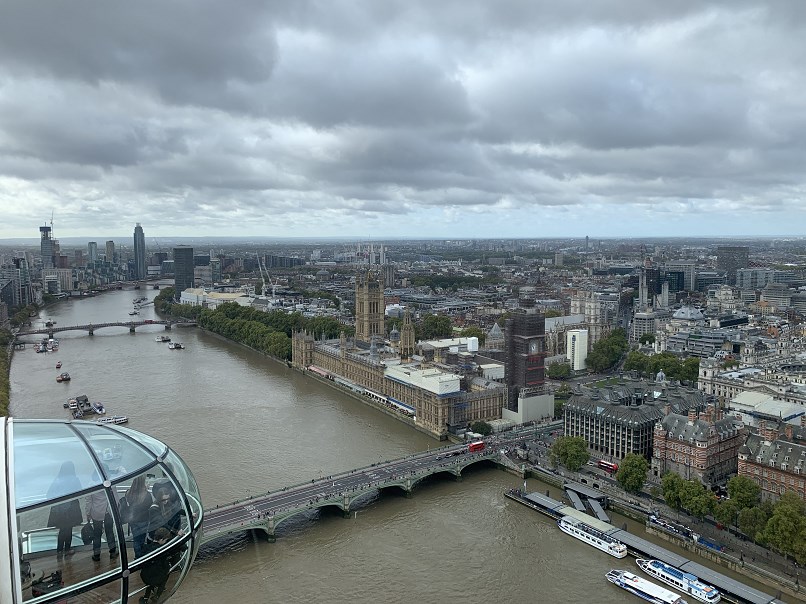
571 451
647 338
674 367
786 528
558 371
632 472
695 498
5 337
752 522
744 492
434 327
482 428
672 486
606 352
726 512
474 332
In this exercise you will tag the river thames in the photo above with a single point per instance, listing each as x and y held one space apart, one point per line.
246 424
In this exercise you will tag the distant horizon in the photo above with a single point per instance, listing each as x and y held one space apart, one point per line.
150 241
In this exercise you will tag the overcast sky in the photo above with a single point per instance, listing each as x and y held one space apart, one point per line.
381 119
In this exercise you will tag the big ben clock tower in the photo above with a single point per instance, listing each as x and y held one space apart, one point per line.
525 350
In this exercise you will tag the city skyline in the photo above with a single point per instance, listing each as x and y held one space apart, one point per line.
370 121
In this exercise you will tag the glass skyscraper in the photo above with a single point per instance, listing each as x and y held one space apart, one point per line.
183 269
139 253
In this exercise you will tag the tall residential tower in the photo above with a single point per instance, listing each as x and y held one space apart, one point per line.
139 253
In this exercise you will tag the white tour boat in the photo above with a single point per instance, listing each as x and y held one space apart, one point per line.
649 591
592 536
680 580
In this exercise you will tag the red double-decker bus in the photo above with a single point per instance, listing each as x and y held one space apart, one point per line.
608 466
476 446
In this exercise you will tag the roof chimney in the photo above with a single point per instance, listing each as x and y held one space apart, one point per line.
692 415
788 431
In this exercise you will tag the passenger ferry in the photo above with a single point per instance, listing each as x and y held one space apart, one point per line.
591 536
642 588
680 580
162 339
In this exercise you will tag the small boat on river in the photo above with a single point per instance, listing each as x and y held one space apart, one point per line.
59 365
114 419
63 377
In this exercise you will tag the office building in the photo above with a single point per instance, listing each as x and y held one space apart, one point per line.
139 253
732 258
754 278
618 419
676 281
576 349
110 252
46 248
706 279
778 295
183 269
92 251
688 268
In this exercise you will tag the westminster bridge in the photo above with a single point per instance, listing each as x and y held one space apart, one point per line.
343 491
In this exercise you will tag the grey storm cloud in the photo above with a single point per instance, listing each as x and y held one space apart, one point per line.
421 118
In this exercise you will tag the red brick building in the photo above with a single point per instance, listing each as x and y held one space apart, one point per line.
774 456
701 447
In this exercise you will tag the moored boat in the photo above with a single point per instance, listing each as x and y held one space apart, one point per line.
98 408
592 536
114 419
680 580
162 339
647 590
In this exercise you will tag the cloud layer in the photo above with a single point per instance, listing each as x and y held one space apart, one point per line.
449 119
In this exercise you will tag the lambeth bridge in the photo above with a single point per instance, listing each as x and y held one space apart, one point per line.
343 491
90 328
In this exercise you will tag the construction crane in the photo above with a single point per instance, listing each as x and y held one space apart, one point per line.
264 274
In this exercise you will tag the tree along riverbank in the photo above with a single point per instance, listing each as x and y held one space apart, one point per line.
265 332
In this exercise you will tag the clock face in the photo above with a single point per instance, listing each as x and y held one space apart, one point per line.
533 347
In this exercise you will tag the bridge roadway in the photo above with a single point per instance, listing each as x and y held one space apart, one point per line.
267 512
91 327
